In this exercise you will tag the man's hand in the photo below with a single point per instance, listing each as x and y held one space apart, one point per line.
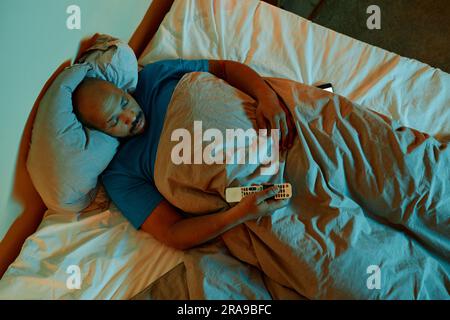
272 113
259 204
85 44
168 226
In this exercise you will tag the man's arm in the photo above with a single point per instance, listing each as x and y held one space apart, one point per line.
271 112
170 228
241 77
136 198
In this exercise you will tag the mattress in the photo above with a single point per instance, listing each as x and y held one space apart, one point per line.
117 262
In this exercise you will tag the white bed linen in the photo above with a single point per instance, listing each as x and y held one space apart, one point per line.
115 260
280 44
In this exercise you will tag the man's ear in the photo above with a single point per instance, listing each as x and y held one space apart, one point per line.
81 119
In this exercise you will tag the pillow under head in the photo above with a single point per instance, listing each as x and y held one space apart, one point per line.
65 158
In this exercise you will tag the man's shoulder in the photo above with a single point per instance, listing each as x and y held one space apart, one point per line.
130 152
154 66
133 143
152 72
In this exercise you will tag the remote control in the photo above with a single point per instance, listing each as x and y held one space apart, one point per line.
237 193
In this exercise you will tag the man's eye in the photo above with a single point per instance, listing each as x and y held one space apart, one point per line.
124 103
116 122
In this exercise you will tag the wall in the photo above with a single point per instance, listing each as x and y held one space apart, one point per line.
35 42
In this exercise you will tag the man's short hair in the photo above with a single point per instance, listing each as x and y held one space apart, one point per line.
81 95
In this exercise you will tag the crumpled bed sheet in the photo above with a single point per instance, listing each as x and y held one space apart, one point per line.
115 261
367 192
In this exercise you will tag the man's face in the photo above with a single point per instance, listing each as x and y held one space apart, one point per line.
110 109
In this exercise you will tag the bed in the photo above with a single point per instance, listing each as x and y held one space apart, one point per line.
117 262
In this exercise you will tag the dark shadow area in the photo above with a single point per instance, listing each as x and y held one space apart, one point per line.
417 29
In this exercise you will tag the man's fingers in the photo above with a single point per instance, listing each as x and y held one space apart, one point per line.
266 194
284 132
292 133
260 121
277 204
290 139
280 131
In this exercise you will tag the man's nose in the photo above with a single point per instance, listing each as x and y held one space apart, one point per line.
127 117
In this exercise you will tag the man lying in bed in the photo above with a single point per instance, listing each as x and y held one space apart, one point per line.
139 118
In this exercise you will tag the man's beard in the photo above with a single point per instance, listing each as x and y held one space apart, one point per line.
135 122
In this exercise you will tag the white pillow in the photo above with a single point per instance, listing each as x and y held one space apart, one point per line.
65 158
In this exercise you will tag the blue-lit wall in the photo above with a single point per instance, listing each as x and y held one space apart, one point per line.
34 42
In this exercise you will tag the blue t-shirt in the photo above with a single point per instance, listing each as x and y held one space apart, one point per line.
128 179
